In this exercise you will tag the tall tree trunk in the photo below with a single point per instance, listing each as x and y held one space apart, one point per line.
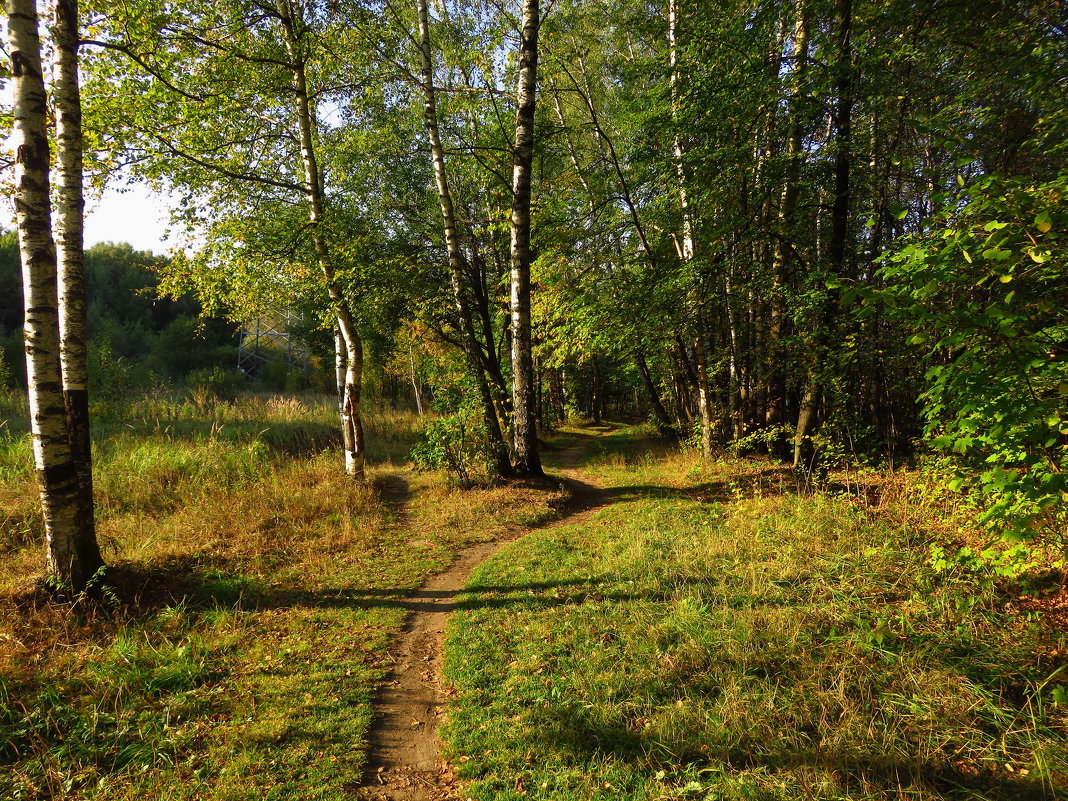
596 400
416 388
502 465
351 423
71 258
838 245
556 393
527 460
72 555
704 392
686 246
663 421
776 404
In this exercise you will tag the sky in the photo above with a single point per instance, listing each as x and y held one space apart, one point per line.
132 215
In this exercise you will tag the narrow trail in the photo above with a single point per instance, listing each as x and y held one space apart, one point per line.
405 761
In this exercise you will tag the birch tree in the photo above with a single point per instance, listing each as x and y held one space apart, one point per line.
348 344
72 555
527 460
70 246
457 265
222 105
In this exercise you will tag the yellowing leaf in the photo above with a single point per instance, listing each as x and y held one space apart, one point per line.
1045 227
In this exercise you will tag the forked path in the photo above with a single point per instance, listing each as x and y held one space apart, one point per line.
405 761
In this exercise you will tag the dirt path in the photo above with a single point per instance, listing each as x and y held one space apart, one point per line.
405 759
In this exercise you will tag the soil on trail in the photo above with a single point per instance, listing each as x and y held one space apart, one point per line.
405 761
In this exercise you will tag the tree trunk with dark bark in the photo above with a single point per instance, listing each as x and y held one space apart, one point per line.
838 245
663 421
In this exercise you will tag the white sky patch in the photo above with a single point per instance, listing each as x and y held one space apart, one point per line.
131 214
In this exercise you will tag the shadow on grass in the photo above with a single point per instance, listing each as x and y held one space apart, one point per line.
536 596
568 729
767 483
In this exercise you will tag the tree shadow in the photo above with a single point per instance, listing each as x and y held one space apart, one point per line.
569 729
770 482
533 596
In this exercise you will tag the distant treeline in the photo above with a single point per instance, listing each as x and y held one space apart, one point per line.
137 338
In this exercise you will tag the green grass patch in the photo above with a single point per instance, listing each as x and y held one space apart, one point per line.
254 591
715 635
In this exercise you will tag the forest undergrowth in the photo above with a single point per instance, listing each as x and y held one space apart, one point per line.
716 631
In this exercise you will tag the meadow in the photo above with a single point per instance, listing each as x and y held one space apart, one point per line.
716 630
247 609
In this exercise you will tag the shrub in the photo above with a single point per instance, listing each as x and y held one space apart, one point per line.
987 288
216 382
456 443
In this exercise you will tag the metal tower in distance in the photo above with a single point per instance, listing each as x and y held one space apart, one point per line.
267 338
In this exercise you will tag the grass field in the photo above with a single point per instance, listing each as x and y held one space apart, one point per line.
715 634
714 631
255 589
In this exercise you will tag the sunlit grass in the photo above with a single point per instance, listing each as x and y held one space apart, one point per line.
254 591
717 634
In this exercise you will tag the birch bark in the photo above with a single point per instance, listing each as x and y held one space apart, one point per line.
70 251
349 338
527 460
685 247
502 464
72 555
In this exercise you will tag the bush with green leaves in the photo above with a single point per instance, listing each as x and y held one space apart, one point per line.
988 287
216 382
456 443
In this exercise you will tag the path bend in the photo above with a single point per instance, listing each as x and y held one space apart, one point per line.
405 761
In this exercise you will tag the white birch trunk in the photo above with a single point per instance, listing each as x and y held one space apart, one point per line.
686 247
502 464
351 423
72 559
70 251
418 390
527 459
